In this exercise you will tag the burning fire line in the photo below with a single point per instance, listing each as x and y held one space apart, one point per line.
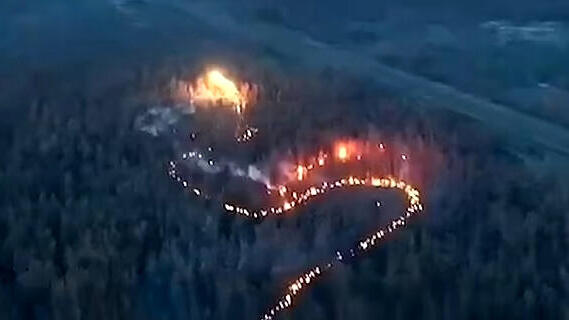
285 301
292 199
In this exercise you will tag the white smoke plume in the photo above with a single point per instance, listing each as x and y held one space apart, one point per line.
209 166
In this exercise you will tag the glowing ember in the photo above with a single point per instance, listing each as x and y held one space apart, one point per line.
300 171
342 152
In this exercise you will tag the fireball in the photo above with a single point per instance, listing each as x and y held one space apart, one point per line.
216 88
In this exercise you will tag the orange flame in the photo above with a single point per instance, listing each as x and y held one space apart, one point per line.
300 171
342 152
215 87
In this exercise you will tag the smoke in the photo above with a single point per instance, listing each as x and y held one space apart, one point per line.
157 120
257 175
210 166
252 172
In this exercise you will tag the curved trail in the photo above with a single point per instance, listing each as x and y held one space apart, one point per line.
291 198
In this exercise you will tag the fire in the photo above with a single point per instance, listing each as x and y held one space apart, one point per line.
376 182
282 190
300 172
296 195
342 152
215 87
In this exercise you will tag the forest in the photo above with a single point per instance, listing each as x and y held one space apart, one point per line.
92 228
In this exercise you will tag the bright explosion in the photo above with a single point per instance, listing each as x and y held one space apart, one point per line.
215 88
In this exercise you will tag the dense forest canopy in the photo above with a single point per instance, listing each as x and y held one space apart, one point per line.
91 226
